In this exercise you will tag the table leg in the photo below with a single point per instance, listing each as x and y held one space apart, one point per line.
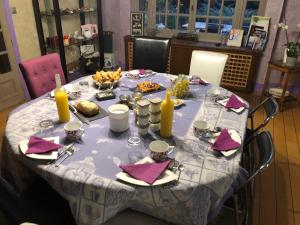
285 84
265 83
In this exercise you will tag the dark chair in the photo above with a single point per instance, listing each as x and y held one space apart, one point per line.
39 74
263 152
151 53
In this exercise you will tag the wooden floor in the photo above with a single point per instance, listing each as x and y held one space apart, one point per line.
277 190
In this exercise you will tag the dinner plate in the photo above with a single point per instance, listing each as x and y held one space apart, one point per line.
235 136
166 177
224 101
67 87
23 145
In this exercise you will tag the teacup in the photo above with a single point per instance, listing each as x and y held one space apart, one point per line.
74 130
200 127
75 93
159 150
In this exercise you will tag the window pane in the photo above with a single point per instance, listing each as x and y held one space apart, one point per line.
200 25
160 21
171 22
226 26
4 64
184 6
172 6
215 8
251 8
2 44
213 26
143 5
160 6
183 22
228 8
202 7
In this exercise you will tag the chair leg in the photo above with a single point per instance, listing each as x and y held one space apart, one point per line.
236 209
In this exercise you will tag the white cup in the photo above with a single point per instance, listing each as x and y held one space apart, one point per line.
74 130
199 127
118 117
159 150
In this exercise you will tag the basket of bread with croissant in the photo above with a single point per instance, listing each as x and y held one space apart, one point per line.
107 79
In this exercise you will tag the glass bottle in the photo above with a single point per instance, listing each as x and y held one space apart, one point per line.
61 99
167 109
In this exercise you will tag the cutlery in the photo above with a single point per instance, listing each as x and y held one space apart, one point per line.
62 153
180 168
74 110
68 153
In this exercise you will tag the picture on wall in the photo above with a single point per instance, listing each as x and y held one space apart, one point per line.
137 24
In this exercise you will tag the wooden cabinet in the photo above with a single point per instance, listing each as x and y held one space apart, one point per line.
239 72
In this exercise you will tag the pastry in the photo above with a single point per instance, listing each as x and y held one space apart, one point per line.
87 108
147 86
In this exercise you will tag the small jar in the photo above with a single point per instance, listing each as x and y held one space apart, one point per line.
143 107
143 120
143 130
155 117
155 104
155 126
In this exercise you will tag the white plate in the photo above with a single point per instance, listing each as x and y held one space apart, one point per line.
23 145
67 87
224 101
235 136
178 102
166 177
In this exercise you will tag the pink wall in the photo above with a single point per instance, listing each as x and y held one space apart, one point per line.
116 18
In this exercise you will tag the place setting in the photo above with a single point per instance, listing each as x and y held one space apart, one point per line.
225 141
232 103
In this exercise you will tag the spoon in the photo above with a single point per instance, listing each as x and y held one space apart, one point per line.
180 168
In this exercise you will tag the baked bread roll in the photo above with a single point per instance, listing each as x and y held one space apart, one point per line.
87 108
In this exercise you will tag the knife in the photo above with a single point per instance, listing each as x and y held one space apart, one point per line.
81 118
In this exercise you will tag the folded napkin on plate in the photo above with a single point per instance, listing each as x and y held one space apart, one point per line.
147 172
141 71
234 103
198 81
224 142
39 145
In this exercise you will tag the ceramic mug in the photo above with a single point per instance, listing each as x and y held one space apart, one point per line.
74 130
159 150
75 93
200 127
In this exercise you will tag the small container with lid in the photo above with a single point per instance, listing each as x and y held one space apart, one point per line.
143 120
143 107
155 117
155 126
155 104
143 129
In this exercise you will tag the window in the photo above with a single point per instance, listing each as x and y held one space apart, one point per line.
201 16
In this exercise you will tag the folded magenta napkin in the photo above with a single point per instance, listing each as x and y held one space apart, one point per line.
38 145
142 72
198 81
234 102
147 172
224 142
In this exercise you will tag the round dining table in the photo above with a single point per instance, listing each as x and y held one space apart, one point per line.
87 178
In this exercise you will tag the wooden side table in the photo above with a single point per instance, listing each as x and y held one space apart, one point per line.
286 73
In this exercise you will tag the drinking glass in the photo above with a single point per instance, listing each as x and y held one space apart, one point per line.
45 125
135 152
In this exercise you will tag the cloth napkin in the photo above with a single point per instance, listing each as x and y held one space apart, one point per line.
224 142
38 145
142 72
198 81
234 103
147 172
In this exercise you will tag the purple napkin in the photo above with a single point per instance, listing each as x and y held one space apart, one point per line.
198 81
147 172
38 145
234 103
224 142
142 72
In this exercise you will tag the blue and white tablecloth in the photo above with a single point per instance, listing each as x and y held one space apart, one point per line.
87 178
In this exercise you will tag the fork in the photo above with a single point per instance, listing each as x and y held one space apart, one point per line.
69 152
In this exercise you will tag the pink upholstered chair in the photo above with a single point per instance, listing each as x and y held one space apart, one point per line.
39 74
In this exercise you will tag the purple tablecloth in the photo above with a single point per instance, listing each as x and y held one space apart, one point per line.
87 178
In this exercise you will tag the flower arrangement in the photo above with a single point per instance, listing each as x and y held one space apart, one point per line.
293 47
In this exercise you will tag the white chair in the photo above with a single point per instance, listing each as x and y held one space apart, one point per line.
208 65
